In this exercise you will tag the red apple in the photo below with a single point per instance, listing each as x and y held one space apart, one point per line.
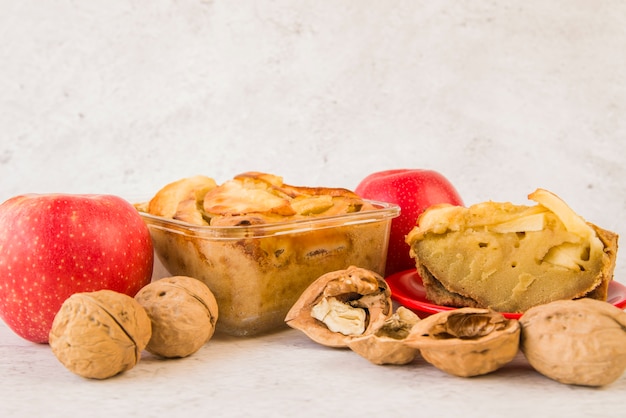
413 190
55 245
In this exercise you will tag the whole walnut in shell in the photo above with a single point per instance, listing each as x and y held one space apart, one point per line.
99 334
579 342
467 341
183 311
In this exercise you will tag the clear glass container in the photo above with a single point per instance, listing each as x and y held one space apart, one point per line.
257 272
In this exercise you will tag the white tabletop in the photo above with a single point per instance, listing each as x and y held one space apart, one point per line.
285 374
123 97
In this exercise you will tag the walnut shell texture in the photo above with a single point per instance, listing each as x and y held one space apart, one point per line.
183 311
579 342
99 334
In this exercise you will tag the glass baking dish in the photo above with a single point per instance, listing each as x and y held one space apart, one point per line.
257 272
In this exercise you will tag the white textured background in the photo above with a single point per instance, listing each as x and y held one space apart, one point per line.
501 97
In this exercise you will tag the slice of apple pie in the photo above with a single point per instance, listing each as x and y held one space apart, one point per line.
511 257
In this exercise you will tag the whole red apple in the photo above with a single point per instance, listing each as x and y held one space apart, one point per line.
55 245
413 190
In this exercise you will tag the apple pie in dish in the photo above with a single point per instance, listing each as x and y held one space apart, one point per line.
258 242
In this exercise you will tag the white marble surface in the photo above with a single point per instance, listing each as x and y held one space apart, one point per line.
124 96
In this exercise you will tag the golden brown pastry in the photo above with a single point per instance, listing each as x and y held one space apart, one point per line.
182 199
511 257
248 199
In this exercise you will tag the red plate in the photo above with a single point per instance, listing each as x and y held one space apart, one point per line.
407 289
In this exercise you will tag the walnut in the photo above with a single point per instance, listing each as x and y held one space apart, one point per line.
99 334
467 341
341 305
183 311
386 345
579 342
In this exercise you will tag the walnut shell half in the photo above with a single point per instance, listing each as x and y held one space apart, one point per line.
386 345
99 334
341 305
467 341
